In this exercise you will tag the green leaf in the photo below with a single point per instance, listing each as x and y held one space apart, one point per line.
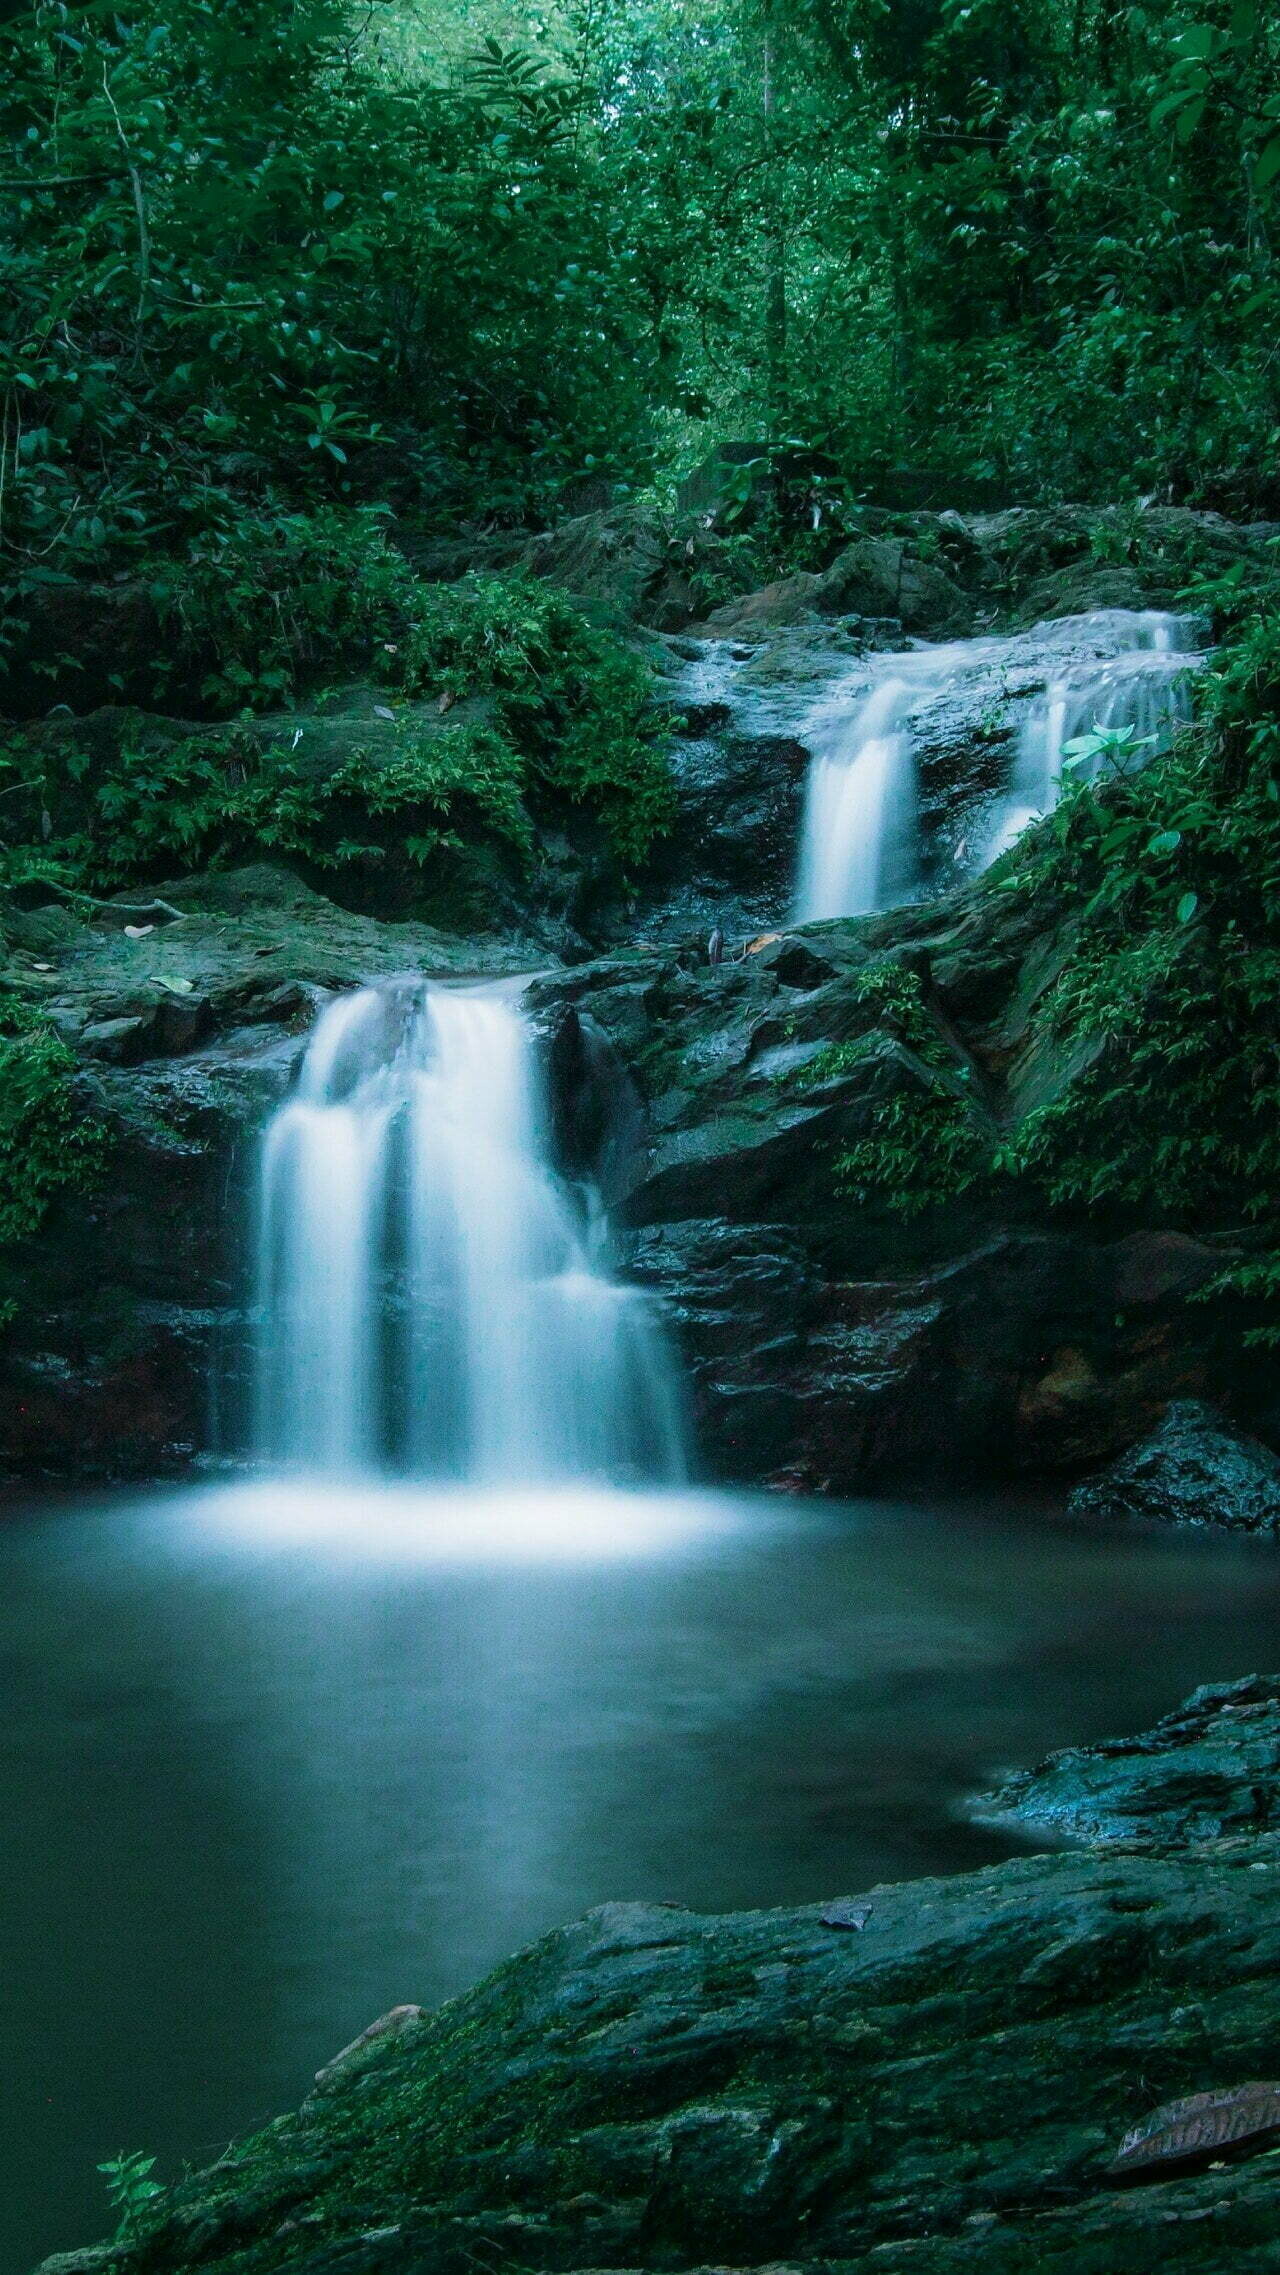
1268 165
1198 40
1168 104
333 199
1167 841
1187 907
1190 118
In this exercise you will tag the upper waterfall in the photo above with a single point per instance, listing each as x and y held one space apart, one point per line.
857 844
1145 686
432 1299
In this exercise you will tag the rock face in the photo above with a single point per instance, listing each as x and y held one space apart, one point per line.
937 2078
1191 1470
838 1345
942 575
1210 1768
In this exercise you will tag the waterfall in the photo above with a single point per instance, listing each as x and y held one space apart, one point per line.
1146 686
432 1301
858 835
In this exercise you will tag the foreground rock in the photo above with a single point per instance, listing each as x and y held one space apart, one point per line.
942 2088
1210 1768
1193 1469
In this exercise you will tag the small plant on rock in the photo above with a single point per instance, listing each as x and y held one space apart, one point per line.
131 2189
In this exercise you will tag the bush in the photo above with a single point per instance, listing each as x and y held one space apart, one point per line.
263 609
570 723
48 1144
569 695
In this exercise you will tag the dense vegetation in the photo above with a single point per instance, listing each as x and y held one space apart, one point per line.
292 292
268 258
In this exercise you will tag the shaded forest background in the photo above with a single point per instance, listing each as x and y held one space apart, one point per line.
485 264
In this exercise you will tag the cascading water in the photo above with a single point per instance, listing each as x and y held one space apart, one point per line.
431 1301
857 848
1146 687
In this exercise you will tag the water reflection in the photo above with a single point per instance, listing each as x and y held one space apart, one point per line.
271 1762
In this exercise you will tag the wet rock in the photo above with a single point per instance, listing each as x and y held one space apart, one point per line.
1193 1469
1210 1768
393 2024
729 863
120 1042
650 2089
875 578
840 1346
884 576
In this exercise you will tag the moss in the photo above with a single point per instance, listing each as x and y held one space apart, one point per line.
49 1145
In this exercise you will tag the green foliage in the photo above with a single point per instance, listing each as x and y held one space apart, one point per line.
205 801
260 609
929 1143
131 2189
248 265
568 694
1176 873
567 720
48 1144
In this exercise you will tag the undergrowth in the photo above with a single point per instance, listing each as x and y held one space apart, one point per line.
48 1144
1170 881
567 720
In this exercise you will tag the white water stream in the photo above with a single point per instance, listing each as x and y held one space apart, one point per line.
857 847
862 846
433 1302
1145 687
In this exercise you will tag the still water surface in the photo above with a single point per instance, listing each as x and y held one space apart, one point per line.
272 1760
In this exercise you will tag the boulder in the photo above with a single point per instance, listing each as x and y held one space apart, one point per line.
1210 1768
837 1344
1192 1469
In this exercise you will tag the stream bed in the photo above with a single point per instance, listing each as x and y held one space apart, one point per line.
275 1757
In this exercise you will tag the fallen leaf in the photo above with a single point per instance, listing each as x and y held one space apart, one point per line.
763 940
381 711
172 986
848 1916
137 931
1181 2131
42 967
446 702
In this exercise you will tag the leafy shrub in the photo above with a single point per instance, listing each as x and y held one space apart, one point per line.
569 695
269 605
48 1144
929 1143
571 721
131 2189
213 799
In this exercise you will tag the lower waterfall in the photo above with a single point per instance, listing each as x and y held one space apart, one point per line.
431 1298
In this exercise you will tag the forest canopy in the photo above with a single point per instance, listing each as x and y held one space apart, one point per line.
487 264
